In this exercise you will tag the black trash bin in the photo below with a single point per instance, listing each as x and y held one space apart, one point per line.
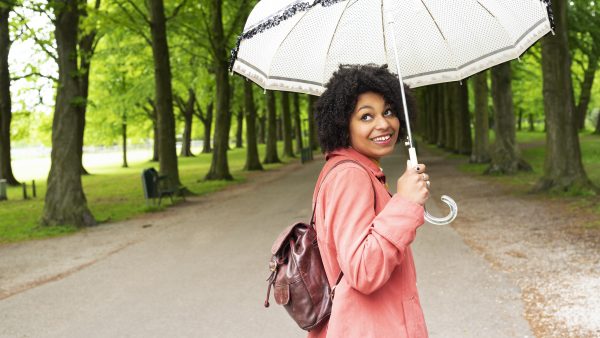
150 184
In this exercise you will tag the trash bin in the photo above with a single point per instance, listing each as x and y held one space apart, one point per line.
3 190
150 183
306 155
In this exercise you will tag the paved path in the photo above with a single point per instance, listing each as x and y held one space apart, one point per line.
200 269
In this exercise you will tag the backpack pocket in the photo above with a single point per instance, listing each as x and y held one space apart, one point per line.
282 294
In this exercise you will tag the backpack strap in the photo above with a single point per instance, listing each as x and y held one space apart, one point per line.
312 218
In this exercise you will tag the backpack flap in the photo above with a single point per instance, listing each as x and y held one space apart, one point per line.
282 239
282 294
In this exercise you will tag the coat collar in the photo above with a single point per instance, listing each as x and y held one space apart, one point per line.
352 154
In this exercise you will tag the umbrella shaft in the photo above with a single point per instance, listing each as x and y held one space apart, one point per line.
411 149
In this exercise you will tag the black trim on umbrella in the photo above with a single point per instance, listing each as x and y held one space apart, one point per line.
548 4
275 20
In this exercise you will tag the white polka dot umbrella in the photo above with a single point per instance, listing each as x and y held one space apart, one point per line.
296 45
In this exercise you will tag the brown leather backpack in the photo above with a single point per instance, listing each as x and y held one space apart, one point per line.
297 274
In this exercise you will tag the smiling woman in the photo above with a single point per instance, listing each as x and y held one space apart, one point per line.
364 233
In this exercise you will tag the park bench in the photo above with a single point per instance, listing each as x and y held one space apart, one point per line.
155 187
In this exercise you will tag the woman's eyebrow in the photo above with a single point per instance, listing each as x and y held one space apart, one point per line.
365 107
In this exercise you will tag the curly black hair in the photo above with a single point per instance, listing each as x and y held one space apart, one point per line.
336 105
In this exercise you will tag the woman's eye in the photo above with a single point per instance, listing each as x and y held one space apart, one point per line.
366 117
388 113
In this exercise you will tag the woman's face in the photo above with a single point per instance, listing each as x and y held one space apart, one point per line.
373 126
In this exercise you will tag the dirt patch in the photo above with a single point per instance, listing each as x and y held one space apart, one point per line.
542 244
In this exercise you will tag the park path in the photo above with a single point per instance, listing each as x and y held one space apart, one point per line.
198 270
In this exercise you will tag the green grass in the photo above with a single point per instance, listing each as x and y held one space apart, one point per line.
532 145
113 193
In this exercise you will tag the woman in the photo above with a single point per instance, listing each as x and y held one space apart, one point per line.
364 232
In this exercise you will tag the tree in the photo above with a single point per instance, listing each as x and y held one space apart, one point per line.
5 99
506 158
271 153
239 128
89 37
167 157
584 43
187 109
312 124
563 169
151 114
219 36
463 143
156 21
297 122
252 161
449 95
65 201
480 152
286 117
207 120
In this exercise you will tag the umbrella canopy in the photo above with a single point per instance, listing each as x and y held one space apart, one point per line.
297 45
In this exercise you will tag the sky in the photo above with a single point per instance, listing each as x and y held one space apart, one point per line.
36 95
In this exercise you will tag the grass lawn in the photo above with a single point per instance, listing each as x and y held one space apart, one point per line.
113 193
532 145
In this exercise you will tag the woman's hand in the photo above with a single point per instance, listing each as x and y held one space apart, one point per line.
413 184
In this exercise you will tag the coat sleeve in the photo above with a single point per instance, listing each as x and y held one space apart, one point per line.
369 246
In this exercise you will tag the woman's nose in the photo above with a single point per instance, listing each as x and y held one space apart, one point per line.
382 123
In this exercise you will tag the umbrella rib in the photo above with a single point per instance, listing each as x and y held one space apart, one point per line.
500 24
285 38
331 41
384 36
442 34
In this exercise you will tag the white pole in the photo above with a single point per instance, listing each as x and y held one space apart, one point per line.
412 153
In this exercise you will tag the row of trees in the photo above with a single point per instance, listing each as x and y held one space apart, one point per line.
107 50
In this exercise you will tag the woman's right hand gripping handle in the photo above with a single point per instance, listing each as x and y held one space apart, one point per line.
412 185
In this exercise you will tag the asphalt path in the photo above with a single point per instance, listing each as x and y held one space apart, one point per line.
200 271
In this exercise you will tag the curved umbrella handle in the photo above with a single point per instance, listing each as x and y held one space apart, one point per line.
444 220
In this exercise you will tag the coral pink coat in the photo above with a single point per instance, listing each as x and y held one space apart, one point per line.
366 233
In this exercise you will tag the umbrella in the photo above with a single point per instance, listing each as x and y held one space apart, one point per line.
296 45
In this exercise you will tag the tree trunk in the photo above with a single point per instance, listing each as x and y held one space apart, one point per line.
239 130
597 131
65 201
262 128
155 144
252 160
124 138
463 143
480 152
505 152
167 157
151 113
313 138
5 99
432 114
297 123
520 119
279 127
449 112
440 111
288 150
207 121
271 153
531 123
586 91
563 169
219 167
187 110
86 51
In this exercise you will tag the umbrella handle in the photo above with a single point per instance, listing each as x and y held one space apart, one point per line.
447 219
412 154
